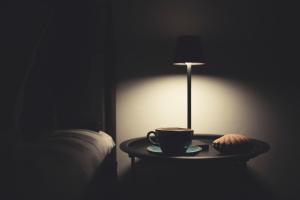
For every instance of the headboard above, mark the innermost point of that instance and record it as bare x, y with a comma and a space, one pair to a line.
69, 82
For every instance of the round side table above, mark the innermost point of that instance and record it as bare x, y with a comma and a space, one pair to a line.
137, 148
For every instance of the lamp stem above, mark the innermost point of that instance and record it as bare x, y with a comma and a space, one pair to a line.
189, 94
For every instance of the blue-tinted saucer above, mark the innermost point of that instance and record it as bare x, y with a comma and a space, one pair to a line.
190, 150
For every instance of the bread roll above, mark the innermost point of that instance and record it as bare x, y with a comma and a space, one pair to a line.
232, 143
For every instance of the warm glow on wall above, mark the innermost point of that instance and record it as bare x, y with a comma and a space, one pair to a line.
218, 106
224, 106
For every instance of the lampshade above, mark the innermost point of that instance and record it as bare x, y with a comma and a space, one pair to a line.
188, 50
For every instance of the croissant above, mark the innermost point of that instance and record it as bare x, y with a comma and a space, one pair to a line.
232, 143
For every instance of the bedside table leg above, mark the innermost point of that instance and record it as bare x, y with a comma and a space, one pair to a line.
133, 169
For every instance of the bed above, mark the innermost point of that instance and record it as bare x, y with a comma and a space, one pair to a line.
69, 164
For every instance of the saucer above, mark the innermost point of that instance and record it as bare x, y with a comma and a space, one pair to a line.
190, 150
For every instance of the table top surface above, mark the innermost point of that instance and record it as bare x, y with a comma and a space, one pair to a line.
137, 147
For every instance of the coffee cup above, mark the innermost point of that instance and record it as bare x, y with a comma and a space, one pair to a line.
171, 140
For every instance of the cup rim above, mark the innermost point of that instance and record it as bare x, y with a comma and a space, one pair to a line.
174, 129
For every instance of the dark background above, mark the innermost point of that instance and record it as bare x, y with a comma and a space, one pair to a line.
49, 50
248, 40
52, 46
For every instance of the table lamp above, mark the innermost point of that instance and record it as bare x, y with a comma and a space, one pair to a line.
188, 53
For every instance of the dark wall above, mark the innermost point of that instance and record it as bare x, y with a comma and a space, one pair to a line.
21, 25
240, 37
52, 62
55, 52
